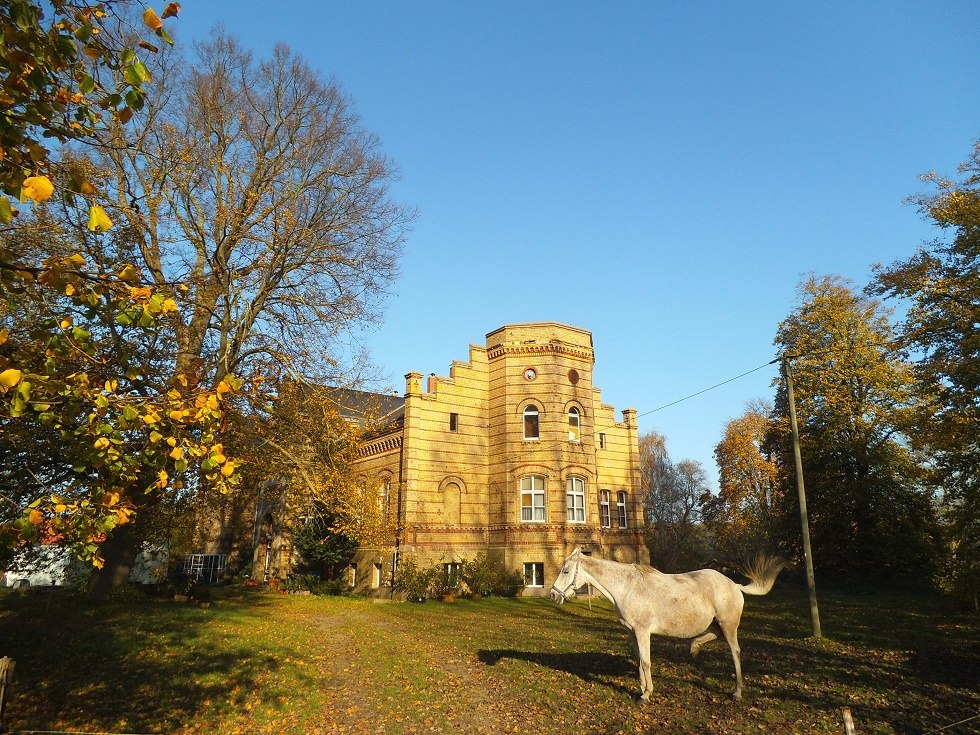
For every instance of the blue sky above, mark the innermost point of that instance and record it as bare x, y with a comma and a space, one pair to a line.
661, 174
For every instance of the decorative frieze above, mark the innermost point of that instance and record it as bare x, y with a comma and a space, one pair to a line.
380, 446
538, 349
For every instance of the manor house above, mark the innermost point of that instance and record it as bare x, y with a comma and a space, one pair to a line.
514, 454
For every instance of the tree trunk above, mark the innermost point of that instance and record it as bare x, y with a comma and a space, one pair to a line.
119, 552
120, 548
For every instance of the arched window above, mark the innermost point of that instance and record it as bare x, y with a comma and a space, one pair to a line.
575, 499
451, 503
604, 517
532, 499
384, 498
574, 425
532, 427
621, 508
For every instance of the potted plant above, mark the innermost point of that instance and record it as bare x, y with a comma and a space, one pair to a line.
447, 583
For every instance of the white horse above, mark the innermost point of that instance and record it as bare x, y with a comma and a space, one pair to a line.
700, 605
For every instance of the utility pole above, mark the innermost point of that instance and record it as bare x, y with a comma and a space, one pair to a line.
804, 519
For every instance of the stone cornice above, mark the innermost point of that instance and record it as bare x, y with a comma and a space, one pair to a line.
541, 348
379, 446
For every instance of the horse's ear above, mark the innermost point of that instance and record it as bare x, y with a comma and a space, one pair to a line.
578, 550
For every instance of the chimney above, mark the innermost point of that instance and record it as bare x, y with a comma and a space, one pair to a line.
431, 385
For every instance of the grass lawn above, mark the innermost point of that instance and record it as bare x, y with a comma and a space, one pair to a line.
257, 662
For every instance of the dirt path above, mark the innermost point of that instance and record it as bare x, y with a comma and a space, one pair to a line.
434, 690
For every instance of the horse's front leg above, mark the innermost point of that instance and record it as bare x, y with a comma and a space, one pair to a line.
642, 648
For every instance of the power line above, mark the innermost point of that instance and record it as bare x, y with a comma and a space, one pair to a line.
705, 390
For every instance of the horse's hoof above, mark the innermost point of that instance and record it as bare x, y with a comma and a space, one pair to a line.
737, 696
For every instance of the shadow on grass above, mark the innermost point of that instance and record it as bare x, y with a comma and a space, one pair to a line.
145, 666
590, 666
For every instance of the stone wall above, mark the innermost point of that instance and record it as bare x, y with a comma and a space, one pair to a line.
458, 462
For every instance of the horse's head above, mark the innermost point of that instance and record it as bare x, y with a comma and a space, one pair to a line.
565, 583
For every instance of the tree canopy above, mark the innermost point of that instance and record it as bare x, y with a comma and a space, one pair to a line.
870, 515
220, 217
940, 284
89, 431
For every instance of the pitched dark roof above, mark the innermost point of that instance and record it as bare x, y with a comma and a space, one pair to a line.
364, 407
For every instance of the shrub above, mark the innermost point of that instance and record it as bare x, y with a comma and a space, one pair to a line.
510, 584
297, 582
412, 580
332, 587
481, 575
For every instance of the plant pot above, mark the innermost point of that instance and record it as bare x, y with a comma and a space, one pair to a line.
182, 598
449, 598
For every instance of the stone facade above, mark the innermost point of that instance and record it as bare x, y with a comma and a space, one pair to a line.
514, 454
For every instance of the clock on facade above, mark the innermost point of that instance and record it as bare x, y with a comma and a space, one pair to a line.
530, 373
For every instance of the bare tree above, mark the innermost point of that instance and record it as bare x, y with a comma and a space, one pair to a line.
250, 192
674, 494
253, 186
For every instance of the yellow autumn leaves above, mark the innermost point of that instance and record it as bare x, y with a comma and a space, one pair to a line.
9, 378
40, 188
36, 188
955, 207
98, 220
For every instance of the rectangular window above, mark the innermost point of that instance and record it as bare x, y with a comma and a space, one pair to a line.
352, 576
531, 426
602, 441
454, 422
534, 574
532, 499
621, 508
604, 518
575, 499
376, 576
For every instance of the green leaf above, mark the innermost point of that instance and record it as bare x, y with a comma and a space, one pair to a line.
135, 74
135, 99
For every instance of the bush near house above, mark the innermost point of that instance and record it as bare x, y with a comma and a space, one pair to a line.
481, 576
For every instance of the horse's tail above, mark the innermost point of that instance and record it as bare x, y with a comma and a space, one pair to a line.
763, 571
